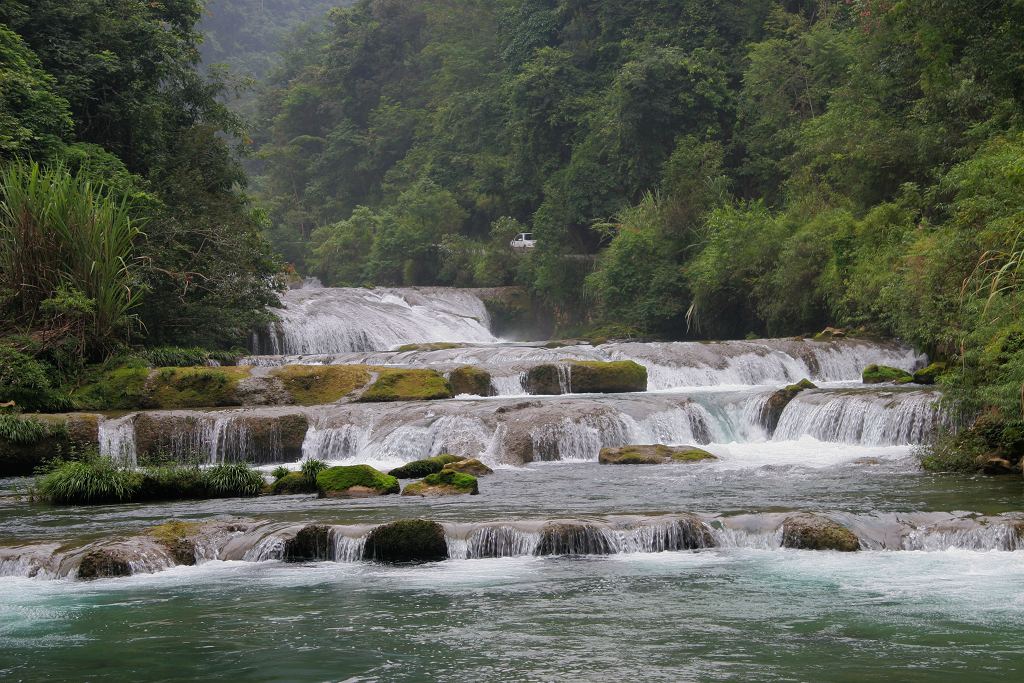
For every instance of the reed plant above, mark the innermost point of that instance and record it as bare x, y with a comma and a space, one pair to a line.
66, 257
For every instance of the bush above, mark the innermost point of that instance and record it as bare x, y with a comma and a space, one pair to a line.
26, 381
280, 473
312, 467
23, 430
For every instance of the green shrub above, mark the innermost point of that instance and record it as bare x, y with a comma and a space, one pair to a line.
26, 381
280, 472
232, 480
89, 483
173, 482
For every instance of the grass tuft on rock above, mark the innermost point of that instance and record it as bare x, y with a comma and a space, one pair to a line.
202, 387
879, 374
445, 482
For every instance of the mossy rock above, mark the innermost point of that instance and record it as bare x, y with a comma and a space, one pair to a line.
772, 410
179, 539
830, 333
470, 466
471, 380
407, 385
103, 563
653, 455
444, 483
543, 380
200, 387
434, 346
597, 377
878, 374
355, 481
311, 544
410, 540
814, 532
421, 468
313, 385
929, 374
293, 483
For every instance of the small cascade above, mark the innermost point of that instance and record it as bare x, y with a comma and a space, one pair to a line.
1005, 536
509, 385
870, 418
117, 440
318, 320
743, 538
347, 548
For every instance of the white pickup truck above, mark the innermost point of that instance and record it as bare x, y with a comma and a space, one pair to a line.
524, 240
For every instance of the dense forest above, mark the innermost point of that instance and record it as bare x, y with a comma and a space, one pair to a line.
690, 169
124, 219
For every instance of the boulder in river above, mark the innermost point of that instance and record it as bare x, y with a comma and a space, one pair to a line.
408, 540
879, 374
652, 455
421, 468
807, 531
587, 377
102, 563
355, 481
771, 412
471, 466
575, 538
311, 544
179, 538
471, 380
444, 483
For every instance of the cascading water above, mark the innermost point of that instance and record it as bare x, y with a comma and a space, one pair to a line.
318, 320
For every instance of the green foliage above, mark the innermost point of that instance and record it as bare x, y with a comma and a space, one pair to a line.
33, 117
877, 374
27, 382
280, 472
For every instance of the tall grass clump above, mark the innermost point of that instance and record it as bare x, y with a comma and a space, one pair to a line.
232, 480
23, 430
93, 482
66, 258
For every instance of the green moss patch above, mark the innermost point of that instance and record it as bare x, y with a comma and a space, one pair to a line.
878, 374
435, 346
203, 387
422, 468
355, 481
407, 385
658, 454
311, 385
120, 389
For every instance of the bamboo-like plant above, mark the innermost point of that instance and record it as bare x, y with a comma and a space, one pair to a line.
66, 255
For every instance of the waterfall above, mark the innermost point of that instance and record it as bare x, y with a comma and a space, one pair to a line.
117, 440
870, 418
337, 320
